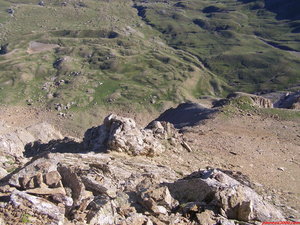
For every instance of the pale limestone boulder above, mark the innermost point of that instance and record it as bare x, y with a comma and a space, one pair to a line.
37, 204
234, 199
13, 143
14, 139
122, 135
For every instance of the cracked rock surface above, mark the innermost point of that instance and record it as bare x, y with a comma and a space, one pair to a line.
94, 186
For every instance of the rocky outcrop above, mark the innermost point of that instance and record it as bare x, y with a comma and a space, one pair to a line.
83, 186
216, 189
122, 135
94, 188
256, 100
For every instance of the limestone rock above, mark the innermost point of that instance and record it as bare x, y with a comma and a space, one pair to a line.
52, 179
103, 186
44, 132
73, 182
30, 176
47, 191
205, 218
156, 199
103, 212
39, 205
122, 135
115, 188
257, 100
236, 200
3, 172
136, 219
163, 129
13, 141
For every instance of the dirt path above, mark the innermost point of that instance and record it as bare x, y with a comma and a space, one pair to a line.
36, 47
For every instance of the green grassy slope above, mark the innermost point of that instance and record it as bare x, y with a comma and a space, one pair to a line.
143, 52
248, 43
105, 54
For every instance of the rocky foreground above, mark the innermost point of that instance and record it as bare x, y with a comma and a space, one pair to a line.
110, 178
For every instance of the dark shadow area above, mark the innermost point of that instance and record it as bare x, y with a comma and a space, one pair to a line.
65, 145
284, 9
86, 34
180, 5
4, 49
287, 100
5, 198
141, 11
279, 46
212, 9
186, 114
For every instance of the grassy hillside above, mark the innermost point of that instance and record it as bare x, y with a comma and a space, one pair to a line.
89, 53
77, 54
252, 44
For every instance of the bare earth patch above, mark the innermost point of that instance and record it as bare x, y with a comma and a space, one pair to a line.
36, 47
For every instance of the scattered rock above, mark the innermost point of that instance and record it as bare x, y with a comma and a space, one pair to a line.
205, 218
10, 11
72, 181
119, 191
52, 179
41, 3
186, 146
102, 186
156, 199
